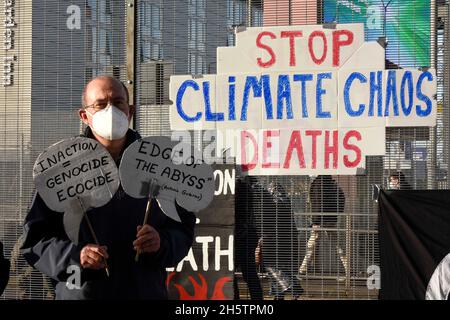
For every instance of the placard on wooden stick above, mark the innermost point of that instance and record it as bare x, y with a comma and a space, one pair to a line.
74, 175
182, 176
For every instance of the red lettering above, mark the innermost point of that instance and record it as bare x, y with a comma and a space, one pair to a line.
291, 35
267, 144
320, 34
314, 134
265, 47
338, 43
246, 166
333, 149
295, 143
352, 147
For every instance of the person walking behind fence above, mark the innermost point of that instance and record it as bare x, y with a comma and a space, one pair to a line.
279, 242
327, 201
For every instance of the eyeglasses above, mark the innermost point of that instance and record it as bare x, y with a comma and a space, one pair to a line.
119, 103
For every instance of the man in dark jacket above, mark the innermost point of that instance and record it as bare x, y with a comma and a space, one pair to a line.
161, 243
4, 270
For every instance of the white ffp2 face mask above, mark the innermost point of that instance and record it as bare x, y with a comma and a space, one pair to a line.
110, 123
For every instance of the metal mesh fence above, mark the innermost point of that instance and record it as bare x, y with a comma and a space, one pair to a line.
55, 57
57, 47
337, 259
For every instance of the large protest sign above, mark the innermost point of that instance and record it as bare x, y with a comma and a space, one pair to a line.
176, 167
73, 176
306, 91
206, 273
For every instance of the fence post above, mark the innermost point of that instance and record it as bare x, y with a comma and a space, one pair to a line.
131, 50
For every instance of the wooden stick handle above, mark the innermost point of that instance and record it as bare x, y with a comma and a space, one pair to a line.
93, 233
147, 212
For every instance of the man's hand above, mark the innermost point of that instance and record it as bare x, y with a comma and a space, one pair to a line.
147, 239
93, 256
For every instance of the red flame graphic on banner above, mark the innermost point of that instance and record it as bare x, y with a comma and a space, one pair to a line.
200, 289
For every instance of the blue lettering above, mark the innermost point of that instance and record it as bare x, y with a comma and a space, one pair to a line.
303, 78
376, 87
232, 99
284, 94
347, 86
209, 115
319, 93
250, 83
180, 94
422, 97
267, 96
391, 91
407, 80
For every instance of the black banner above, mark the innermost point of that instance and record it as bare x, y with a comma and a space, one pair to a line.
4, 270
414, 236
207, 272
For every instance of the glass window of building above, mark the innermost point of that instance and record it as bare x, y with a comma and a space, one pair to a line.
150, 25
197, 36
